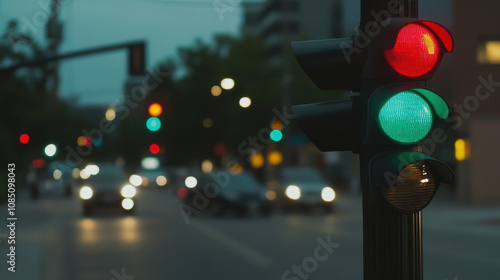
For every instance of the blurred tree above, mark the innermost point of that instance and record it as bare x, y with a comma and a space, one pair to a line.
27, 106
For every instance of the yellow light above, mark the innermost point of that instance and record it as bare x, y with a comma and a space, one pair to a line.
462, 149
216, 90
110, 114
236, 168
429, 43
245, 102
257, 160
275, 158
207, 166
57, 174
155, 109
227, 83
493, 51
161, 180
277, 125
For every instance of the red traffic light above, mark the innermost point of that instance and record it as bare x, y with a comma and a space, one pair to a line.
24, 138
415, 52
154, 149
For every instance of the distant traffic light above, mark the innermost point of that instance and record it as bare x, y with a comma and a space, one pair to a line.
24, 138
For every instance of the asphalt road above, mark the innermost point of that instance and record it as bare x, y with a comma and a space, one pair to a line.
54, 242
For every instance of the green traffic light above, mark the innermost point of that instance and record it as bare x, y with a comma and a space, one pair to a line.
153, 124
276, 135
406, 117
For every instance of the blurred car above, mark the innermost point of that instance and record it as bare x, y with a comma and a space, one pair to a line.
156, 178
304, 188
241, 195
108, 188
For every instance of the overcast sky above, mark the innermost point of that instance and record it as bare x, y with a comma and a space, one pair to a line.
164, 24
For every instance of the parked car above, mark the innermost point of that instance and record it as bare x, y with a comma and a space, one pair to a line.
303, 188
108, 188
241, 195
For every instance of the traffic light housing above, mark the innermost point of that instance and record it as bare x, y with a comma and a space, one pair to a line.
137, 59
385, 124
394, 111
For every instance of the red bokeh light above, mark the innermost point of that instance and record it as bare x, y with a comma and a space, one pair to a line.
181, 192
154, 149
25, 138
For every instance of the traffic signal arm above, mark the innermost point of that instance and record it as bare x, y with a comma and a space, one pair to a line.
330, 126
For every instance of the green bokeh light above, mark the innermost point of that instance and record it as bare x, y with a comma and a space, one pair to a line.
406, 117
153, 124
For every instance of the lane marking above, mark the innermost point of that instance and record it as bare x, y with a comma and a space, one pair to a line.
250, 254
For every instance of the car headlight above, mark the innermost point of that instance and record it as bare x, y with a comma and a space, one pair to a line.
128, 191
293, 192
127, 203
327, 194
135, 180
86, 192
191, 182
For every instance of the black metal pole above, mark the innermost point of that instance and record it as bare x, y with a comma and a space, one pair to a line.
392, 242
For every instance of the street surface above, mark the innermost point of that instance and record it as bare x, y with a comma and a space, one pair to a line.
54, 242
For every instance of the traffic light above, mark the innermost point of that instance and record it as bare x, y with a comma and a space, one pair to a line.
385, 123
136, 59
154, 110
154, 149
